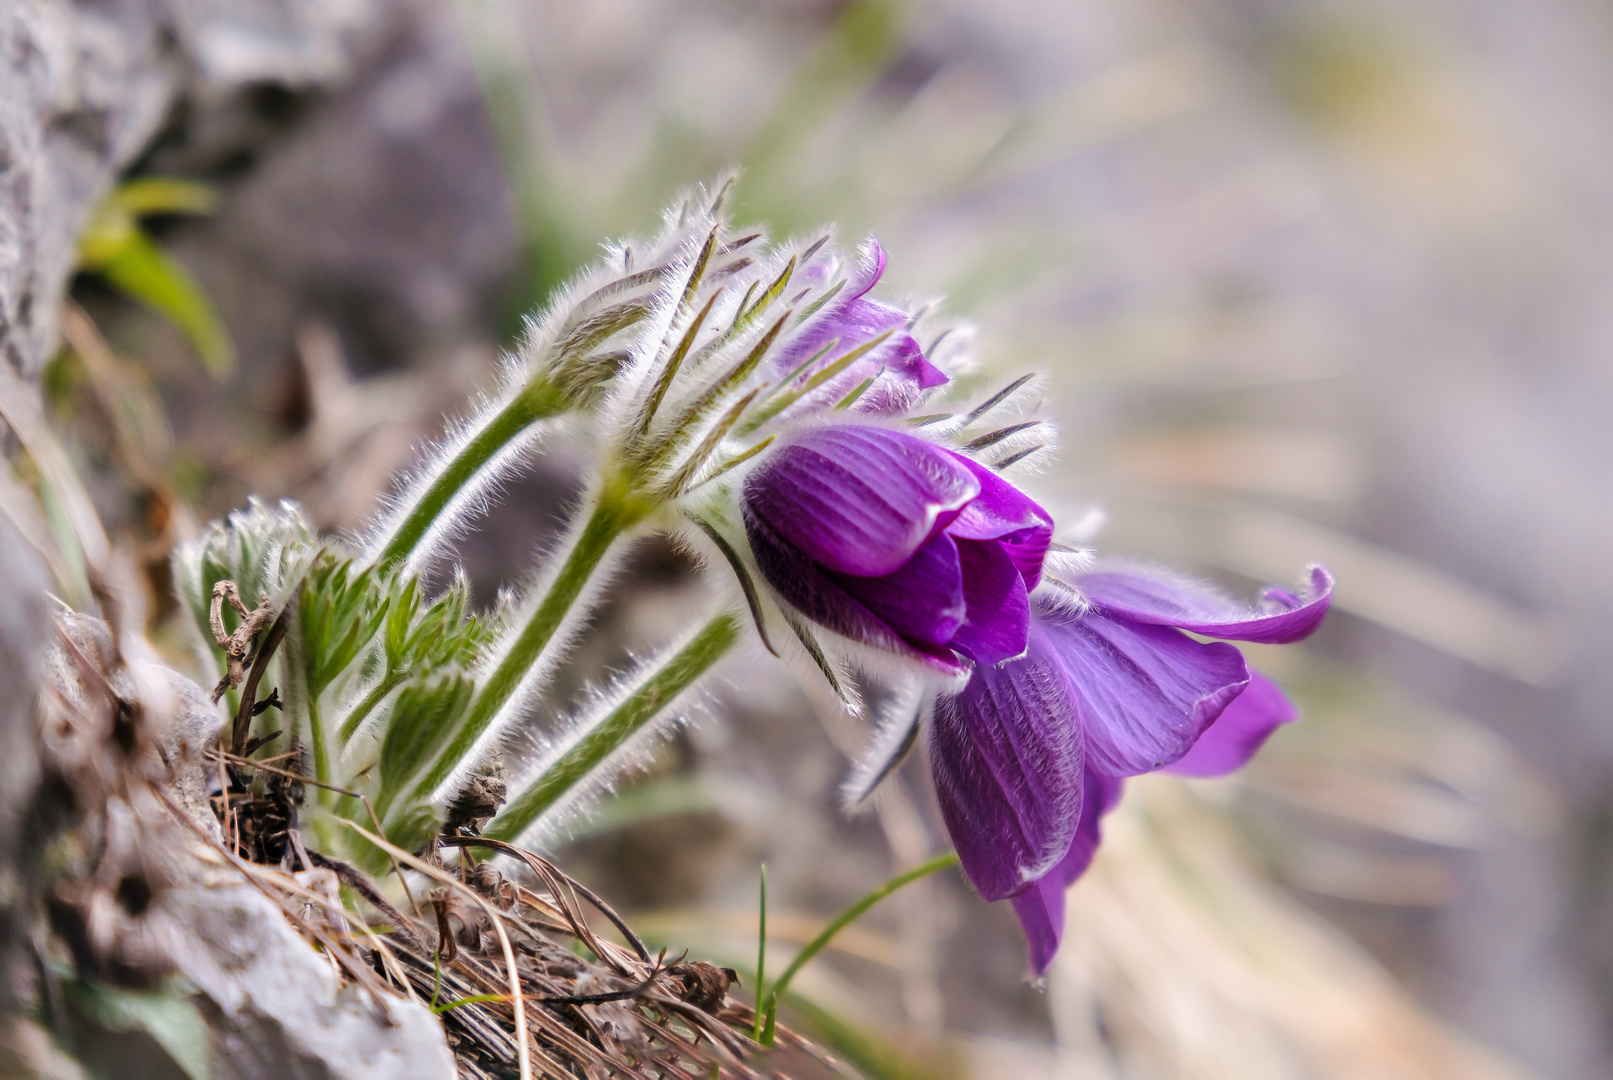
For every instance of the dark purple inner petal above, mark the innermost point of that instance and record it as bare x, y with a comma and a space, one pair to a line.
813, 592
923, 600
1006, 756
1146, 595
998, 624
1144, 693
1041, 907
1242, 729
859, 500
1002, 512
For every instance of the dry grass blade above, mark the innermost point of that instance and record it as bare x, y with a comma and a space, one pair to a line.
518, 1001
559, 884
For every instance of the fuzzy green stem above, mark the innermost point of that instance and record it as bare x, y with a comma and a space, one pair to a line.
708, 646
615, 512
316, 736
389, 682
538, 400
841, 921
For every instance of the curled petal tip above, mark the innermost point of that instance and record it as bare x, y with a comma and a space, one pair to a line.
1146, 595
870, 268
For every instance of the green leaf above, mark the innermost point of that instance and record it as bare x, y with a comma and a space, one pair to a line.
135, 265
240, 548
425, 712
761, 956
163, 195
341, 613
173, 1022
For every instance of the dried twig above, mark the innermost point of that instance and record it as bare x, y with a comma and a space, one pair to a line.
239, 646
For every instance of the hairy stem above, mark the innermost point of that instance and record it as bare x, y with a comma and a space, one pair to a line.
538, 400
389, 682
614, 513
708, 646
316, 736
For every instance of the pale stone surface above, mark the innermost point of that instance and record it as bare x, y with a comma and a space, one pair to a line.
83, 89
22, 634
274, 1004
184, 722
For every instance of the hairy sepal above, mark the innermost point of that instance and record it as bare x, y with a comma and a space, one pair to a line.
896, 731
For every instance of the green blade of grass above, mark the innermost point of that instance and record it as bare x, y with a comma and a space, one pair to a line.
761, 958
839, 923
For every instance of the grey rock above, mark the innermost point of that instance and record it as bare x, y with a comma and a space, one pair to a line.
22, 636
274, 1003
85, 87
183, 722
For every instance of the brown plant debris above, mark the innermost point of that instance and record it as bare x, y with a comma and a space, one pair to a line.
508, 960
241, 646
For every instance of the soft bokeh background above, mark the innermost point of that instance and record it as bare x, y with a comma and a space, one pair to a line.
1309, 281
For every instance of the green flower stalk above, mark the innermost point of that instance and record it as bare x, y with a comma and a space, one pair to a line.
681, 362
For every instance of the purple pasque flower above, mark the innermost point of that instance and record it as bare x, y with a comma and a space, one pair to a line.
897, 543
1029, 754
899, 368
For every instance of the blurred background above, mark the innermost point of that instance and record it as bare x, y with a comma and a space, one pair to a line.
1308, 280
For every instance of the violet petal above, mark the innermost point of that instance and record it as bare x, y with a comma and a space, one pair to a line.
900, 370
1041, 907
899, 366
870, 268
1242, 729
1146, 595
1144, 693
1006, 756
860, 500
998, 623
1003, 512
811, 590
923, 600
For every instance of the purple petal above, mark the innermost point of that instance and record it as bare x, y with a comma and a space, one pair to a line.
1242, 728
860, 500
923, 600
818, 595
1006, 756
900, 370
1041, 907
999, 610
870, 268
1003, 512
1155, 596
1144, 693
899, 367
